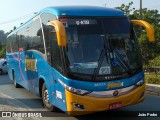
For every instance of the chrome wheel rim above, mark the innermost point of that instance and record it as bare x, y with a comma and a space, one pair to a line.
46, 98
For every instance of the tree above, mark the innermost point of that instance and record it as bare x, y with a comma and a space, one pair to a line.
2, 51
2, 44
2, 36
126, 8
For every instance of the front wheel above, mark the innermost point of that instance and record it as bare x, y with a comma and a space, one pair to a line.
45, 99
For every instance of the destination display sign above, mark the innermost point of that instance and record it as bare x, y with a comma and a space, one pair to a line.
68, 22
82, 22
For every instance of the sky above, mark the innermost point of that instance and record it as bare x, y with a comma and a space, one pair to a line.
14, 12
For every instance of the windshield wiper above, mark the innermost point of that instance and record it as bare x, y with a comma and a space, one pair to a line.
108, 49
100, 61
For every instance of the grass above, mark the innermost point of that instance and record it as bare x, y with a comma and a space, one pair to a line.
152, 78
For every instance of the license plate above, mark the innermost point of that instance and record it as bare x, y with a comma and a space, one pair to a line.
115, 105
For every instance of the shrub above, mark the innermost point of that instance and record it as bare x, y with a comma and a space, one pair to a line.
152, 79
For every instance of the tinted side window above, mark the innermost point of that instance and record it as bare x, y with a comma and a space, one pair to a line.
56, 58
34, 38
52, 48
30, 38
45, 18
21, 38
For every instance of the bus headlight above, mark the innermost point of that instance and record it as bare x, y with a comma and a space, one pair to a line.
139, 83
74, 90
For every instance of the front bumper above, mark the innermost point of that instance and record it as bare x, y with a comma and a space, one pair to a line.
93, 104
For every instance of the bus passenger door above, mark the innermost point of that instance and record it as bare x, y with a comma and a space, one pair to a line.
55, 58
51, 83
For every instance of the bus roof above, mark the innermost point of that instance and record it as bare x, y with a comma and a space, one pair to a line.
83, 11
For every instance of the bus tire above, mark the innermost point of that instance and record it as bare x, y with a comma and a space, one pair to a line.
14, 81
45, 99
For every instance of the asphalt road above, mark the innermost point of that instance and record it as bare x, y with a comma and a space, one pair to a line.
32, 102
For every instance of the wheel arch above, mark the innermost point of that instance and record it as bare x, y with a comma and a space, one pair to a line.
12, 75
41, 82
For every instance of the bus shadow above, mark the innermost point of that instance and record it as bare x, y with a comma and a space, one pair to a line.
34, 104
21, 103
110, 114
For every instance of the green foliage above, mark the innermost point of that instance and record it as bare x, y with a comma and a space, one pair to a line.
126, 8
2, 44
154, 62
2, 36
2, 51
152, 79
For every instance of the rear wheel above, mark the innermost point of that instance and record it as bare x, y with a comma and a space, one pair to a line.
45, 99
14, 81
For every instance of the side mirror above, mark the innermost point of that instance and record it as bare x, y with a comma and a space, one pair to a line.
149, 28
60, 32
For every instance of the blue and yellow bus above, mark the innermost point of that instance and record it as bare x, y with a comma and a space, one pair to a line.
79, 59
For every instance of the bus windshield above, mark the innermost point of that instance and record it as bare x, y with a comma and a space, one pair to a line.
101, 47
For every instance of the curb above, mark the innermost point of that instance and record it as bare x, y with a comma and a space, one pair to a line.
153, 89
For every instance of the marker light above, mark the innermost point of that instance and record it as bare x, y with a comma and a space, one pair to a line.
140, 83
74, 90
